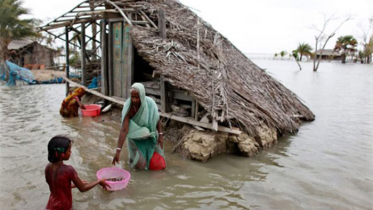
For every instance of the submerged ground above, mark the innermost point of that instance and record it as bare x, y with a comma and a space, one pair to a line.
327, 165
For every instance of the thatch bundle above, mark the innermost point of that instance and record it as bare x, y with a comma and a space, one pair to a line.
223, 80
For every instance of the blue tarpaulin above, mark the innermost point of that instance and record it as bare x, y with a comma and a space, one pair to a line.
11, 73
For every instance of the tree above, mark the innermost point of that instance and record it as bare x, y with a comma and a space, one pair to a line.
368, 50
11, 26
283, 53
322, 39
275, 56
304, 49
346, 45
295, 55
367, 43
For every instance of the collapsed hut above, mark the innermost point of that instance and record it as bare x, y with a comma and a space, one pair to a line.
193, 72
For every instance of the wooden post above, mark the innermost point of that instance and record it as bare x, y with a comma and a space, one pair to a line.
83, 54
162, 23
165, 107
162, 33
128, 58
104, 75
110, 61
193, 108
67, 58
196, 111
198, 56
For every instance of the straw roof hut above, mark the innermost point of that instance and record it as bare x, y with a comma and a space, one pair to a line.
192, 56
223, 80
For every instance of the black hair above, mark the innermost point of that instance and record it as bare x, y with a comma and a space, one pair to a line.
56, 146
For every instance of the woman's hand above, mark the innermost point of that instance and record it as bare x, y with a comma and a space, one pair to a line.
104, 184
116, 157
160, 140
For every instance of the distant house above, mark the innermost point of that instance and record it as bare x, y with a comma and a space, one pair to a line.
328, 54
31, 54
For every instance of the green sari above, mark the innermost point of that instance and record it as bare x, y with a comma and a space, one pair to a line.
142, 133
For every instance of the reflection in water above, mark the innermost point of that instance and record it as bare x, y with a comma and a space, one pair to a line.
328, 164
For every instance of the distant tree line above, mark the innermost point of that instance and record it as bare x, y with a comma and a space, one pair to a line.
345, 46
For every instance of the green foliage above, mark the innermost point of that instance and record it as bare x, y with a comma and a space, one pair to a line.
304, 49
74, 58
283, 53
295, 54
345, 44
11, 26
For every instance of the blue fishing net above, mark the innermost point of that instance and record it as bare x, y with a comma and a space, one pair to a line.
11, 73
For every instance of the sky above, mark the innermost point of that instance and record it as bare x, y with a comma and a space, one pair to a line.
265, 26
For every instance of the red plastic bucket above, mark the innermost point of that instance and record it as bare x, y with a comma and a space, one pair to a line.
91, 110
157, 162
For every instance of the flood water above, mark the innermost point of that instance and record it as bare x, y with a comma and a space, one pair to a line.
327, 165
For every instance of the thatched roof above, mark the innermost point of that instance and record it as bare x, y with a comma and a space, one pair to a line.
223, 79
227, 81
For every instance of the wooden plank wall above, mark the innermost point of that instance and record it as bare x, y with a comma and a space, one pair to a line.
104, 59
117, 59
127, 64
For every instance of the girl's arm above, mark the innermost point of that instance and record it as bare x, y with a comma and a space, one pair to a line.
121, 139
73, 185
83, 187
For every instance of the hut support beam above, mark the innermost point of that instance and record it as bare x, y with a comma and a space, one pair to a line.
104, 70
83, 53
177, 118
110, 61
67, 59
148, 19
120, 11
162, 33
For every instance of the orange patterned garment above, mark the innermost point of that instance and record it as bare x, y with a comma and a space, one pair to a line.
69, 106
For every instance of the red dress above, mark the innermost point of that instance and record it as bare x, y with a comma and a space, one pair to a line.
59, 182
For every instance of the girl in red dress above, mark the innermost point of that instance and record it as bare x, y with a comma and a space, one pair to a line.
61, 178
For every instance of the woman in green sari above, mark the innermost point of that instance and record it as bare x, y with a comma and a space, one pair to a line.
142, 129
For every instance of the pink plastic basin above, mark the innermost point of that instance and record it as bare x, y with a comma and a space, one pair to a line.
91, 110
117, 173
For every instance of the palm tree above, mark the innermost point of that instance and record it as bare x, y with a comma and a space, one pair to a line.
345, 44
11, 26
304, 49
296, 56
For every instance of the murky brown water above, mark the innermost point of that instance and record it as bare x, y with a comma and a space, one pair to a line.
327, 165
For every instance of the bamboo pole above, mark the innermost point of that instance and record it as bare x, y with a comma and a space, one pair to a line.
120, 11
148, 19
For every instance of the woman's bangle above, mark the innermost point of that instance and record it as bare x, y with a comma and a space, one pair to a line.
161, 133
118, 149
